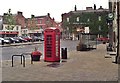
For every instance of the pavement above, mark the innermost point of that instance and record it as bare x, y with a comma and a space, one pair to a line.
80, 66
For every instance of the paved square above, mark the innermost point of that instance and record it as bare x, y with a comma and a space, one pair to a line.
80, 66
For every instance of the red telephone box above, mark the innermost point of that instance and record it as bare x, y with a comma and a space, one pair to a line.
52, 44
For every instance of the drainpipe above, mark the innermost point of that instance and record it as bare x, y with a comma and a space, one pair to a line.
118, 33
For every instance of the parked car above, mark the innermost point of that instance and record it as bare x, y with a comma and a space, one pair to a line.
28, 38
12, 40
41, 38
20, 39
35, 38
0, 41
38, 38
4, 41
104, 39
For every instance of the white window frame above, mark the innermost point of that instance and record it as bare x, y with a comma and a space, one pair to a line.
99, 18
77, 19
68, 19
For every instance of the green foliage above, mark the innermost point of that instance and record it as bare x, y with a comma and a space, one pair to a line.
90, 19
10, 20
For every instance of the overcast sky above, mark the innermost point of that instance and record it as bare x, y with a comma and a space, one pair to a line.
42, 7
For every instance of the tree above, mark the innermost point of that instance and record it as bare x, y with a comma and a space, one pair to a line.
9, 20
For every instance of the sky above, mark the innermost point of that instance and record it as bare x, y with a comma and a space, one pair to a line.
42, 7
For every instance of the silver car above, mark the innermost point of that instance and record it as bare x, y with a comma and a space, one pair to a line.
4, 40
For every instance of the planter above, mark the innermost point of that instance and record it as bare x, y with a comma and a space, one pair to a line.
81, 47
35, 58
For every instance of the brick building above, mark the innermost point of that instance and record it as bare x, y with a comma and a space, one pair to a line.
21, 20
37, 24
9, 27
25, 26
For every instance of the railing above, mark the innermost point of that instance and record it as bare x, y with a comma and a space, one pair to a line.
22, 58
30, 55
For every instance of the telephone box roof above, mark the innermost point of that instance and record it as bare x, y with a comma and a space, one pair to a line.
52, 28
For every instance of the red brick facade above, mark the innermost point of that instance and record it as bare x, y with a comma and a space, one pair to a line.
41, 22
35, 24
20, 19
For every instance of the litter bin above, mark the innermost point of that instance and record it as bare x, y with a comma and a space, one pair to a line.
64, 53
109, 47
2, 42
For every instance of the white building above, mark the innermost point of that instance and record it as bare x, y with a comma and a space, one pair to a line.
10, 30
1, 22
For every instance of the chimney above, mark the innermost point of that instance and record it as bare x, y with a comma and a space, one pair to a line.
89, 8
53, 19
48, 14
19, 13
5, 14
94, 6
75, 9
100, 7
32, 16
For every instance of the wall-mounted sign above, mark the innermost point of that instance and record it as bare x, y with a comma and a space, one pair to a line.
110, 16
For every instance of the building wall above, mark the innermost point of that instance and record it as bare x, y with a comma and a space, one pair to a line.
94, 19
37, 24
20, 19
1, 22
24, 32
17, 28
113, 6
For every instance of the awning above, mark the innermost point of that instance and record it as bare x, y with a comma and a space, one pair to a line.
4, 32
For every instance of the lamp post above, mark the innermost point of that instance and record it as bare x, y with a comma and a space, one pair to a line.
110, 26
